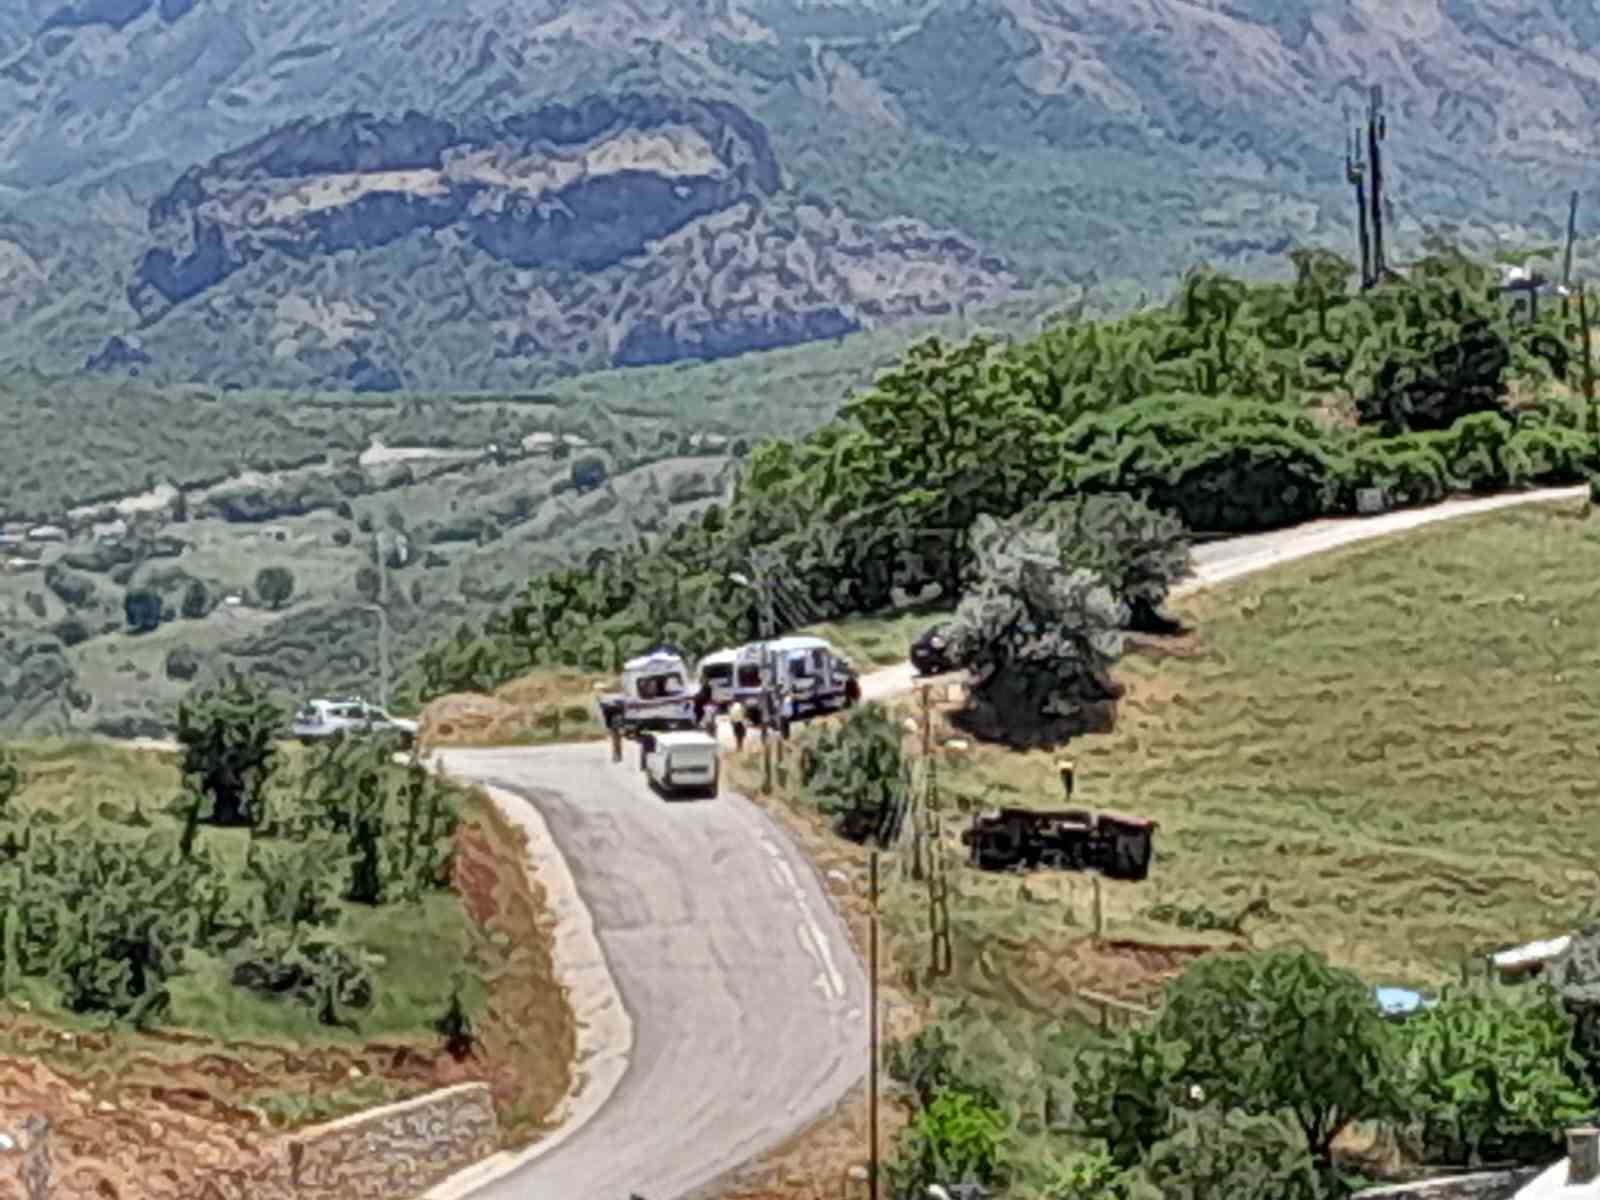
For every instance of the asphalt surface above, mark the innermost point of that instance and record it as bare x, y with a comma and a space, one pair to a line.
747, 999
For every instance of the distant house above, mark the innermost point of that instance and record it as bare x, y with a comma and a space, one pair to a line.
110, 531
47, 533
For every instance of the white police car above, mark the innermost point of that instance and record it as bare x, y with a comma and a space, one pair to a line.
319, 720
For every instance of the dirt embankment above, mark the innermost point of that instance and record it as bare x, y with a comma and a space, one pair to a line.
540, 707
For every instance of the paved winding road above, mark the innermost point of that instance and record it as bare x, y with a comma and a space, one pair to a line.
746, 998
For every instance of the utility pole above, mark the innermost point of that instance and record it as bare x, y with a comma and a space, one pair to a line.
1354, 173
872, 1037
382, 610
768, 668
1591, 418
1377, 128
1566, 258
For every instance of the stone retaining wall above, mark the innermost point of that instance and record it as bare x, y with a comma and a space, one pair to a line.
398, 1151
392, 1153
1481, 1185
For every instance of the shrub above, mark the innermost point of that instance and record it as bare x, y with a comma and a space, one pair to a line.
959, 1137
315, 971
142, 607
1548, 454
73, 590
1490, 1075
1408, 468
274, 585
72, 632
182, 663
1221, 464
196, 601
856, 773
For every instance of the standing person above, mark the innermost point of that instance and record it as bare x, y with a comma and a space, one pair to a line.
738, 716
647, 743
616, 739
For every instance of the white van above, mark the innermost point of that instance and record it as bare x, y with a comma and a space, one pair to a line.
732, 675
682, 762
655, 694
811, 675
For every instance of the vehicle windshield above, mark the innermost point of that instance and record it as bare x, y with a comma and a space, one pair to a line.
717, 673
750, 676
653, 687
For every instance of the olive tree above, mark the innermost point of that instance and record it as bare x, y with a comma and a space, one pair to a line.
1039, 641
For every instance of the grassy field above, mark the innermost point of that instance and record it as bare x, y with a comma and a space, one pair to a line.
1385, 743
242, 1051
1379, 752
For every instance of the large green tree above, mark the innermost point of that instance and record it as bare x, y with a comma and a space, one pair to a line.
1273, 1034
1039, 642
227, 734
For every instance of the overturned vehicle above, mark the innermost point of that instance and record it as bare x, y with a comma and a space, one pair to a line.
1118, 845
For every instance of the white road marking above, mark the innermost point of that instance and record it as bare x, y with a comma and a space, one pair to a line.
810, 934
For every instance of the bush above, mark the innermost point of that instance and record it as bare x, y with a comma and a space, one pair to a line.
856, 773
1220, 464
196, 601
142, 607
1409, 469
1233, 1155
73, 590
227, 733
72, 632
1548, 454
959, 1137
182, 663
315, 971
1490, 1076
274, 586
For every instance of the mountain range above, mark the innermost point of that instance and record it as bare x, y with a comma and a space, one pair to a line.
409, 195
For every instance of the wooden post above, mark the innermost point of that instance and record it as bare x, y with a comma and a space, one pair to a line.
1588, 357
872, 1037
1566, 259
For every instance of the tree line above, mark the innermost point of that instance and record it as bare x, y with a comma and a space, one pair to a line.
1236, 407
1244, 1081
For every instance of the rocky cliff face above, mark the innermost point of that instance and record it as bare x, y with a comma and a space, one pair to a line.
580, 187
416, 252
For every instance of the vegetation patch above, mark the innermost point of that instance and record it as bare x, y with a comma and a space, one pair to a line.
306, 970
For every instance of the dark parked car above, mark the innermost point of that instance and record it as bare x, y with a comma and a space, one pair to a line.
930, 653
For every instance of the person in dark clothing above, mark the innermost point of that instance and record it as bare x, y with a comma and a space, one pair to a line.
647, 743
738, 717
616, 741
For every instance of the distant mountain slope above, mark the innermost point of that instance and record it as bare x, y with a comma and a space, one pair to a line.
419, 253
1075, 139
